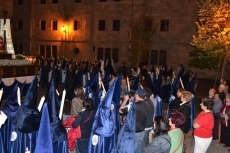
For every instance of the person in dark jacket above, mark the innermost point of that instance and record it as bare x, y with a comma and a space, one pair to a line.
85, 120
185, 109
175, 104
149, 120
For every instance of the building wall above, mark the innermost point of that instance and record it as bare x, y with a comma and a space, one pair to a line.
8, 6
181, 16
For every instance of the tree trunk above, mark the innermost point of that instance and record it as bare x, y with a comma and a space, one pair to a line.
217, 72
224, 66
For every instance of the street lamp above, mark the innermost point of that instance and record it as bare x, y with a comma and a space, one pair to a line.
63, 29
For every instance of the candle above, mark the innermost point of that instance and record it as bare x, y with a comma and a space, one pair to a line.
18, 94
128, 84
41, 103
57, 92
1, 92
62, 103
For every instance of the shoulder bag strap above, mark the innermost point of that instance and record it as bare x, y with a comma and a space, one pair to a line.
178, 146
88, 117
183, 106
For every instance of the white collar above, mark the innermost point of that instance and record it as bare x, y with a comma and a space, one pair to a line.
83, 109
183, 103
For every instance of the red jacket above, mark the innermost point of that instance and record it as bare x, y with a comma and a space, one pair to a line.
73, 133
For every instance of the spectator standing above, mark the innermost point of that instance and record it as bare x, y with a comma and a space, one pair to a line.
85, 120
216, 114
224, 138
203, 126
149, 121
185, 109
175, 104
77, 101
211, 93
141, 118
221, 90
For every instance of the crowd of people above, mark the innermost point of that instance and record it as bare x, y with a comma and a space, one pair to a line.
169, 133
221, 113
165, 131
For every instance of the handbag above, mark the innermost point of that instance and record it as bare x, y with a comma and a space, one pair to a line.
216, 115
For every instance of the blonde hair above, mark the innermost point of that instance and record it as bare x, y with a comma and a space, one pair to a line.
187, 95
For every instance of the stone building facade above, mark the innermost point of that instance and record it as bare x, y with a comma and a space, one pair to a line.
8, 6
99, 29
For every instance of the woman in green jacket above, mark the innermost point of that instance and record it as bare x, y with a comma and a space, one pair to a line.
176, 120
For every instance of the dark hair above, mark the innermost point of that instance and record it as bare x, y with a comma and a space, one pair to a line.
114, 74
162, 126
148, 92
80, 92
208, 103
218, 93
177, 118
88, 104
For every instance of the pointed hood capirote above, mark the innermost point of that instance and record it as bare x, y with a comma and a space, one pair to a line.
28, 117
57, 129
44, 138
11, 106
